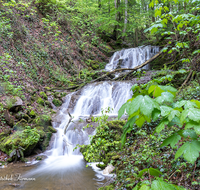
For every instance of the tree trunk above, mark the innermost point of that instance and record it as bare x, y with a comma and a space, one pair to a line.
125, 17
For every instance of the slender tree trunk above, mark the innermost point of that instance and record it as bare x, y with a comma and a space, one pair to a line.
125, 17
118, 18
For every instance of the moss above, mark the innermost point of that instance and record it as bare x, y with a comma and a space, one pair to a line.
109, 187
102, 166
32, 114
21, 115
21, 124
40, 101
51, 129
27, 139
57, 102
43, 95
45, 142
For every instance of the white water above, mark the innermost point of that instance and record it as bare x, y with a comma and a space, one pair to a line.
62, 160
132, 57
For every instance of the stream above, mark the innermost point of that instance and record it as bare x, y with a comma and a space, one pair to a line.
64, 168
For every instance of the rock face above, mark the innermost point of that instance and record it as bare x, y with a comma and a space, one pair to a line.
108, 169
17, 105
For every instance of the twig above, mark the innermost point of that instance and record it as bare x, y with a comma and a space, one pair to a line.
68, 122
194, 170
186, 80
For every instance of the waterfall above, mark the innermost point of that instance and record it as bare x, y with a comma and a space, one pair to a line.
130, 58
62, 159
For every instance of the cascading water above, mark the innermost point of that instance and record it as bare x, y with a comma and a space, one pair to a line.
130, 58
63, 162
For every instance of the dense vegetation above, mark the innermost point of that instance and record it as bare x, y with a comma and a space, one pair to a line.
47, 45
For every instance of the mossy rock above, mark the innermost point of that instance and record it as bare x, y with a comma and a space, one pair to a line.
21, 124
57, 102
51, 129
45, 143
43, 95
4, 134
27, 139
32, 114
40, 101
102, 166
48, 104
21, 115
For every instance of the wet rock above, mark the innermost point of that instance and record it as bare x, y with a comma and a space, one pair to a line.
108, 169
21, 115
17, 106
9, 119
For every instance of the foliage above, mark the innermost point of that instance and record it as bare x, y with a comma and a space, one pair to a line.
179, 23
184, 114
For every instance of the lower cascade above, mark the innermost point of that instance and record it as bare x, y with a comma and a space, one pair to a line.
64, 167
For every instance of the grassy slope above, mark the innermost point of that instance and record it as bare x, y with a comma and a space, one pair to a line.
41, 47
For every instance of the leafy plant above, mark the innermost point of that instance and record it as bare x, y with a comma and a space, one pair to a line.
184, 115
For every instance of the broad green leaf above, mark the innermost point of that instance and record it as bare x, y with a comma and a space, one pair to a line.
122, 109
147, 105
174, 113
175, 121
190, 151
155, 90
135, 104
165, 110
161, 126
191, 113
145, 187
186, 103
161, 185
189, 132
196, 126
155, 114
170, 89
172, 140
140, 121
165, 97
152, 171
197, 103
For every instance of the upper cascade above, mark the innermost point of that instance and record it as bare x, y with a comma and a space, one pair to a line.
130, 58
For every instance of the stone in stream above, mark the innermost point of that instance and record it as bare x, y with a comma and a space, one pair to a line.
108, 169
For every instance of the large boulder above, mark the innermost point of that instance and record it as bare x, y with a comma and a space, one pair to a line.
16, 105
26, 140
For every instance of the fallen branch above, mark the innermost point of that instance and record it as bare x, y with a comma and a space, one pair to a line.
186, 80
68, 122
133, 69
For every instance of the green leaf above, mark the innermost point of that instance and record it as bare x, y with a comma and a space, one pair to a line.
195, 125
165, 97
189, 132
140, 121
122, 109
172, 140
152, 171
190, 151
174, 113
147, 105
165, 110
191, 113
135, 104
161, 185
145, 187
127, 128
161, 125
155, 114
